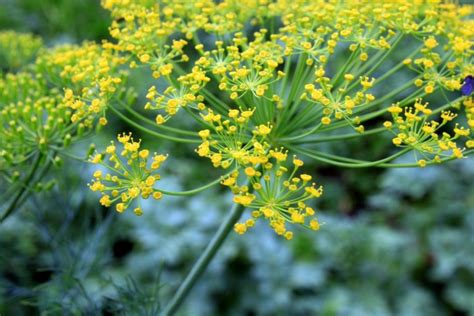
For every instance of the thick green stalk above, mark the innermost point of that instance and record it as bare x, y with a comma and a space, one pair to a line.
204, 260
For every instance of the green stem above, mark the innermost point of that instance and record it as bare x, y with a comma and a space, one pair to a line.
151, 122
304, 134
197, 190
379, 61
204, 260
146, 130
20, 193
383, 163
335, 80
336, 137
362, 164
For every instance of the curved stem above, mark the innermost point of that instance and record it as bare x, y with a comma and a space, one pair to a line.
61, 151
382, 163
353, 164
197, 190
304, 134
338, 137
151, 122
146, 130
204, 260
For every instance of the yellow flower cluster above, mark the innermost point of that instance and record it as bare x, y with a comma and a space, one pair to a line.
242, 67
128, 173
304, 66
413, 129
17, 49
434, 72
232, 142
90, 75
338, 105
257, 69
187, 16
174, 98
276, 194
148, 44
256, 74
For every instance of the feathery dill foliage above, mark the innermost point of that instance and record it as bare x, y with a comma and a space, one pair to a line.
263, 80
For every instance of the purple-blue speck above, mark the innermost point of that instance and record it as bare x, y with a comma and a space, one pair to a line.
468, 86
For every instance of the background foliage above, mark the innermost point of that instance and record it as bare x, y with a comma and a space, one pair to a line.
396, 242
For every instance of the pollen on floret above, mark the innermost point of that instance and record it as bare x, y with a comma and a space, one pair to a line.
97, 158
326, 120
138, 211
429, 89
97, 174
105, 201
297, 162
349, 77
159, 119
457, 153
422, 163
314, 224
249, 171
120, 207
431, 43
240, 228
397, 141
144, 153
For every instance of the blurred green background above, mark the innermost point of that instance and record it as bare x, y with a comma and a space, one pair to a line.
394, 242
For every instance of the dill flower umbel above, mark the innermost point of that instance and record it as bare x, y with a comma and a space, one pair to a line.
128, 174
276, 194
232, 142
34, 121
90, 76
256, 75
412, 128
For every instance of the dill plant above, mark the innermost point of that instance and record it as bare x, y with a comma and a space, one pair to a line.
264, 82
